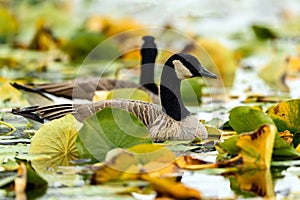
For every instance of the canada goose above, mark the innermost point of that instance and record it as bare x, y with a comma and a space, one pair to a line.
170, 121
84, 89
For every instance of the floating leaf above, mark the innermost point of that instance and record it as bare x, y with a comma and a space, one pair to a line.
282, 150
257, 147
56, 139
229, 145
115, 167
188, 162
152, 152
107, 129
129, 93
245, 119
124, 164
286, 115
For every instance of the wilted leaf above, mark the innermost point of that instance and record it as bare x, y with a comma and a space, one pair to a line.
115, 166
286, 115
107, 129
57, 139
188, 162
246, 119
257, 147
128, 164
129, 93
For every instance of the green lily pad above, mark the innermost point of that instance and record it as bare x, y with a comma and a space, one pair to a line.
107, 129
246, 119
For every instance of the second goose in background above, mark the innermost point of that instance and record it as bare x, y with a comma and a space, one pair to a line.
84, 89
170, 121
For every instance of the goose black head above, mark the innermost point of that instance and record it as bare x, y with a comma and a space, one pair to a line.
188, 66
149, 48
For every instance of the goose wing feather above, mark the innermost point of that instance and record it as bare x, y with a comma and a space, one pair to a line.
145, 111
83, 88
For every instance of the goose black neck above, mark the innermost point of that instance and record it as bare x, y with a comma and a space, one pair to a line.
170, 93
147, 74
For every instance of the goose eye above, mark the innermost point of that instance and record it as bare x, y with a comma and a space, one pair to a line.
182, 72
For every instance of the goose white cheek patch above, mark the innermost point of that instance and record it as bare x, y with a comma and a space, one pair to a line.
181, 71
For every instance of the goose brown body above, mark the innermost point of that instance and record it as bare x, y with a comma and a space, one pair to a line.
161, 127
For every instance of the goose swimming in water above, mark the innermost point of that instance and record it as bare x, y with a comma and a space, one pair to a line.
84, 89
170, 121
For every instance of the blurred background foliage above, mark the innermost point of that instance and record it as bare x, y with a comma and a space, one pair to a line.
44, 41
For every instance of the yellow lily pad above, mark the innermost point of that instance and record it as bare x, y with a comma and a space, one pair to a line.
257, 146
286, 115
57, 140
153, 152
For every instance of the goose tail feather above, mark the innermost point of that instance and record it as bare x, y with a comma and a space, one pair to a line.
43, 113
